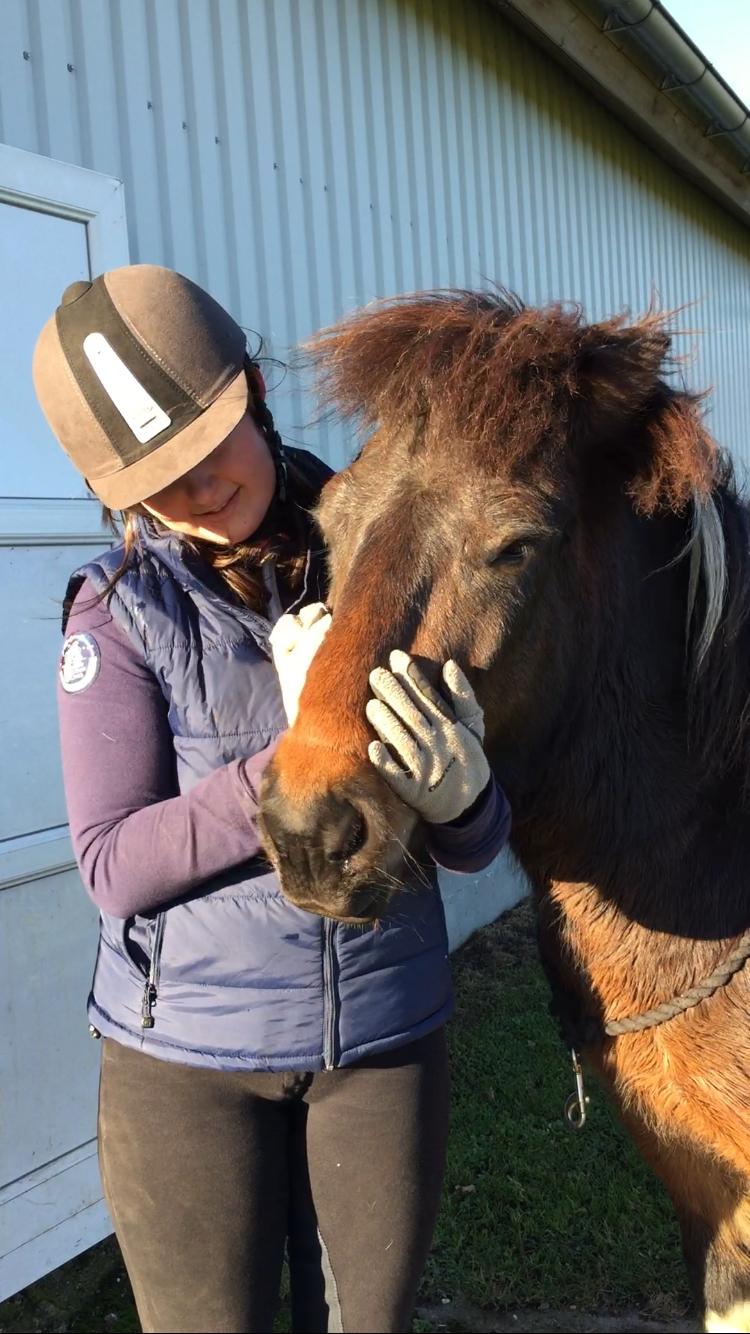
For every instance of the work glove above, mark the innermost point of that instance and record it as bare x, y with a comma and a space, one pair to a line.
441, 768
294, 641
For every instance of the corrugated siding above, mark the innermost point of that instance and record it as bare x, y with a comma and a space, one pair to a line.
299, 157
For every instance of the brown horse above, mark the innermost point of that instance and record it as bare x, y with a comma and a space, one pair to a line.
538, 502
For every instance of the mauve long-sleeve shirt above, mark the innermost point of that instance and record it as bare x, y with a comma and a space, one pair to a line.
140, 843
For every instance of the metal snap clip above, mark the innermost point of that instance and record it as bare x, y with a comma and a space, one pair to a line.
576, 1103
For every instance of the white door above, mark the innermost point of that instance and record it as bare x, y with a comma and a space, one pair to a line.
58, 223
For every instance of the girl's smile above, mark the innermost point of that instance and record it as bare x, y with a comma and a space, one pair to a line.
222, 509
226, 496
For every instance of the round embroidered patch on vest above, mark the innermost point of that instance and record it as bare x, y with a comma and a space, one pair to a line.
79, 663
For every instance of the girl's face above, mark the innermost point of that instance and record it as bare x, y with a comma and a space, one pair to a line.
223, 499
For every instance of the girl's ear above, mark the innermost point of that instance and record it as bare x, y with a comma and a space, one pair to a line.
630, 422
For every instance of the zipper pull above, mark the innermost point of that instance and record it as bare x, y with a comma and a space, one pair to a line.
149, 991
149, 999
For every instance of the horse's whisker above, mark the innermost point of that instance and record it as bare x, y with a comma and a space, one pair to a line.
410, 858
394, 880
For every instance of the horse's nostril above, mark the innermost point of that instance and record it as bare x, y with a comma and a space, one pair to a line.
347, 837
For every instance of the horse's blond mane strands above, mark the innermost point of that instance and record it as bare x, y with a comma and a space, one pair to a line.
708, 561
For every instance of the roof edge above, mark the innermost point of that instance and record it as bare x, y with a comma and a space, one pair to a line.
640, 64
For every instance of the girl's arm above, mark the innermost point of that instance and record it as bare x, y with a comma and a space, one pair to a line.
139, 844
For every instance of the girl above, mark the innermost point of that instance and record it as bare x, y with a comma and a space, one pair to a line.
245, 1107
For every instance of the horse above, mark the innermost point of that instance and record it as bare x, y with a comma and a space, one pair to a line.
538, 498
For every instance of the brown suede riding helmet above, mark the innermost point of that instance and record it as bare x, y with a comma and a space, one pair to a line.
140, 374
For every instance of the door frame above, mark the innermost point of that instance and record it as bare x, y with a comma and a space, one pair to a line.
30, 180
55, 1211
43, 184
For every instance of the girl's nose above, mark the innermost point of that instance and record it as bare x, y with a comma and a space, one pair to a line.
200, 481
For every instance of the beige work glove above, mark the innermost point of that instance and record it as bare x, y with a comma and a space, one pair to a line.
443, 768
294, 641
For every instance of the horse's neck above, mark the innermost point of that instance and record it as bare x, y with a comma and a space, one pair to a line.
616, 734
619, 808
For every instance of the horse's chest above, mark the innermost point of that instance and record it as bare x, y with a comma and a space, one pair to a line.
607, 958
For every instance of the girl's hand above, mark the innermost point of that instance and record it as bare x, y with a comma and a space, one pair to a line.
442, 767
294, 641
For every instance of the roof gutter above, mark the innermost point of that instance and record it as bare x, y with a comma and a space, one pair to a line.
637, 60
681, 69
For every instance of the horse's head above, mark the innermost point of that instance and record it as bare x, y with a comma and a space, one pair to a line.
502, 439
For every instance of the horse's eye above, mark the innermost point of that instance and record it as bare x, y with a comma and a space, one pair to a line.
511, 553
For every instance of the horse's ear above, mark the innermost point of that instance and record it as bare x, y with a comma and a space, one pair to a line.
617, 368
630, 421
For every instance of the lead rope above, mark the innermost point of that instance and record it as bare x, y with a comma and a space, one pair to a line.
614, 1028
577, 1102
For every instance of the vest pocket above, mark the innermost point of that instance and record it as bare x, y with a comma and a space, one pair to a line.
139, 940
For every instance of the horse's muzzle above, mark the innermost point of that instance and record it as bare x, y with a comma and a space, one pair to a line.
334, 851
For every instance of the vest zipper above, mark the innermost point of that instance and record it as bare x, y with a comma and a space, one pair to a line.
329, 993
150, 991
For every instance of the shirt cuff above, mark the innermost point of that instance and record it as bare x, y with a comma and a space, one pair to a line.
469, 844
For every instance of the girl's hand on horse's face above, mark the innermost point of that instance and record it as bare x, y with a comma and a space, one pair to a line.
441, 768
294, 642
225, 497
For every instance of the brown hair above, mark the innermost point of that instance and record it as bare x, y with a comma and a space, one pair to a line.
281, 540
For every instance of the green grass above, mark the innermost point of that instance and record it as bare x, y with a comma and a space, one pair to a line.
551, 1216
533, 1215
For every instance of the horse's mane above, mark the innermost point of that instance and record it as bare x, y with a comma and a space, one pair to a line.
483, 367
718, 631
380, 363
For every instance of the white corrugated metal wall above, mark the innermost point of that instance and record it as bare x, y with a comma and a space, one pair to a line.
299, 157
